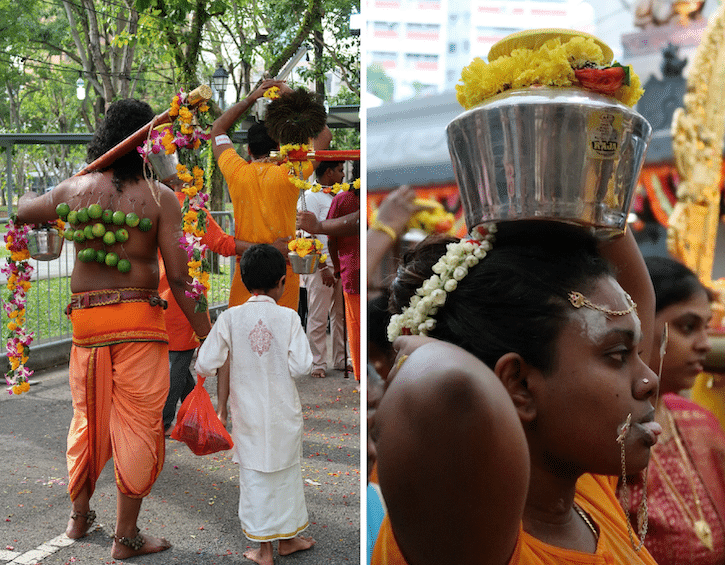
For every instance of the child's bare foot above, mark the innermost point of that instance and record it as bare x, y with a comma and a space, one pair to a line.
222, 415
79, 524
262, 555
297, 543
124, 548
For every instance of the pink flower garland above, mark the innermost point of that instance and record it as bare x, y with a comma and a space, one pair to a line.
18, 271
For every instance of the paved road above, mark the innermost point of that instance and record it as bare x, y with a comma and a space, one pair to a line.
194, 502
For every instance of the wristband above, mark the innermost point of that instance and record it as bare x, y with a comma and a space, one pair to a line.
386, 229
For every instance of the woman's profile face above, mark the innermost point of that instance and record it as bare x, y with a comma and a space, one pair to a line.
687, 343
598, 379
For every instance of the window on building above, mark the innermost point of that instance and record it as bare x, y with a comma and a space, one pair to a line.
421, 61
451, 47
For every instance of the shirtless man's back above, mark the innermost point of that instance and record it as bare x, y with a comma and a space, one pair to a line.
119, 372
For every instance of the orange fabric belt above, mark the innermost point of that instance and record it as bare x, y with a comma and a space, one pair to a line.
121, 322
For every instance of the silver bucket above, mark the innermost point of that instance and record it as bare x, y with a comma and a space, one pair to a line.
563, 154
164, 165
44, 244
304, 265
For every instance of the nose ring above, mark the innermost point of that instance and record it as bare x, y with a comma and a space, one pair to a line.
645, 381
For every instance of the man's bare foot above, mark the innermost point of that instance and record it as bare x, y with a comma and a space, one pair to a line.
123, 548
79, 524
297, 543
262, 555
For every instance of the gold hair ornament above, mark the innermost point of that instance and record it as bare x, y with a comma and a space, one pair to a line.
578, 300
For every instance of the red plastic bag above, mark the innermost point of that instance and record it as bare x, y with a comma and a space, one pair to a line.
197, 424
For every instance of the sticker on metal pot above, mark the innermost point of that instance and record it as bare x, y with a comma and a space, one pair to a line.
604, 134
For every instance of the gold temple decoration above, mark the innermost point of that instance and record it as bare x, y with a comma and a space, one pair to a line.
697, 139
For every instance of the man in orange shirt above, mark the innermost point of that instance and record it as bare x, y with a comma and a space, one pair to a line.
265, 202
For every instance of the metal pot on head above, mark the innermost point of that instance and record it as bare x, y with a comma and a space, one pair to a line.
549, 153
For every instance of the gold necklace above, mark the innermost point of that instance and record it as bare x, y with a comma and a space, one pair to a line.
699, 525
587, 521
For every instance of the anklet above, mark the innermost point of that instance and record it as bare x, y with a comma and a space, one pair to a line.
134, 543
89, 516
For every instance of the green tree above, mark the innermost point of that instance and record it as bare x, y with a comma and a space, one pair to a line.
379, 83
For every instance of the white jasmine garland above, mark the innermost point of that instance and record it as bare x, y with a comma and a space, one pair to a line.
449, 270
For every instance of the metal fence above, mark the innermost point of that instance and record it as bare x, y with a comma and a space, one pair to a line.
50, 291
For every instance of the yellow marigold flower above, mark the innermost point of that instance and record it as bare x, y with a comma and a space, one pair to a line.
14, 363
204, 278
181, 168
292, 245
191, 216
203, 107
185, 177
13, 314
20, 348
198, 172
323, 257
24, 386
190, 190
316, 188
356, 184
24, 359
185, 115
551, 64
12, 326
186, 129
318, 244
17, 389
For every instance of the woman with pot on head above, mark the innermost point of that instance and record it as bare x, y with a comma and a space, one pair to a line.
518, 422
686, 475
524, 389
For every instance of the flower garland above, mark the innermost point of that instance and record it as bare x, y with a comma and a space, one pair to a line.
296, 156
185, 135
451, 268
194, 218
553, 64
18, 271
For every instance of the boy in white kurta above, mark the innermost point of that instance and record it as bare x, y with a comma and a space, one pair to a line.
267, 349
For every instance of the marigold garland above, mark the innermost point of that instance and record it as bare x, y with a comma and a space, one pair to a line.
190, 129
18, 271
552, 64
296, 156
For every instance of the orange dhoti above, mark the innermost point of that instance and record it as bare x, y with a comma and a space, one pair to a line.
119, 380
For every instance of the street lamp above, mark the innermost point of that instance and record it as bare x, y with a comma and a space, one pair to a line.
80, 89
219, 82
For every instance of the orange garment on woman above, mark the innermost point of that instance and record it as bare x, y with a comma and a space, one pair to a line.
181, 334
595, 495
119, 380
265, 209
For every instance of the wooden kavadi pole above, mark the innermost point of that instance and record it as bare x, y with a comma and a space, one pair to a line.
197, 96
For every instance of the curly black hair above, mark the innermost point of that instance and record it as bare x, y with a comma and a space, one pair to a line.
295, 117
122, 119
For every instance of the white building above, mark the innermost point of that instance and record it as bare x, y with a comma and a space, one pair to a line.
424, 44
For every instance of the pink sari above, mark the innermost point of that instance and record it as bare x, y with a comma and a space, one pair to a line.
671, 537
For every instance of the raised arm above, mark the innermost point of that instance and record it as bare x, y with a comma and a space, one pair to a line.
220, 141
631, 272
453, 461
